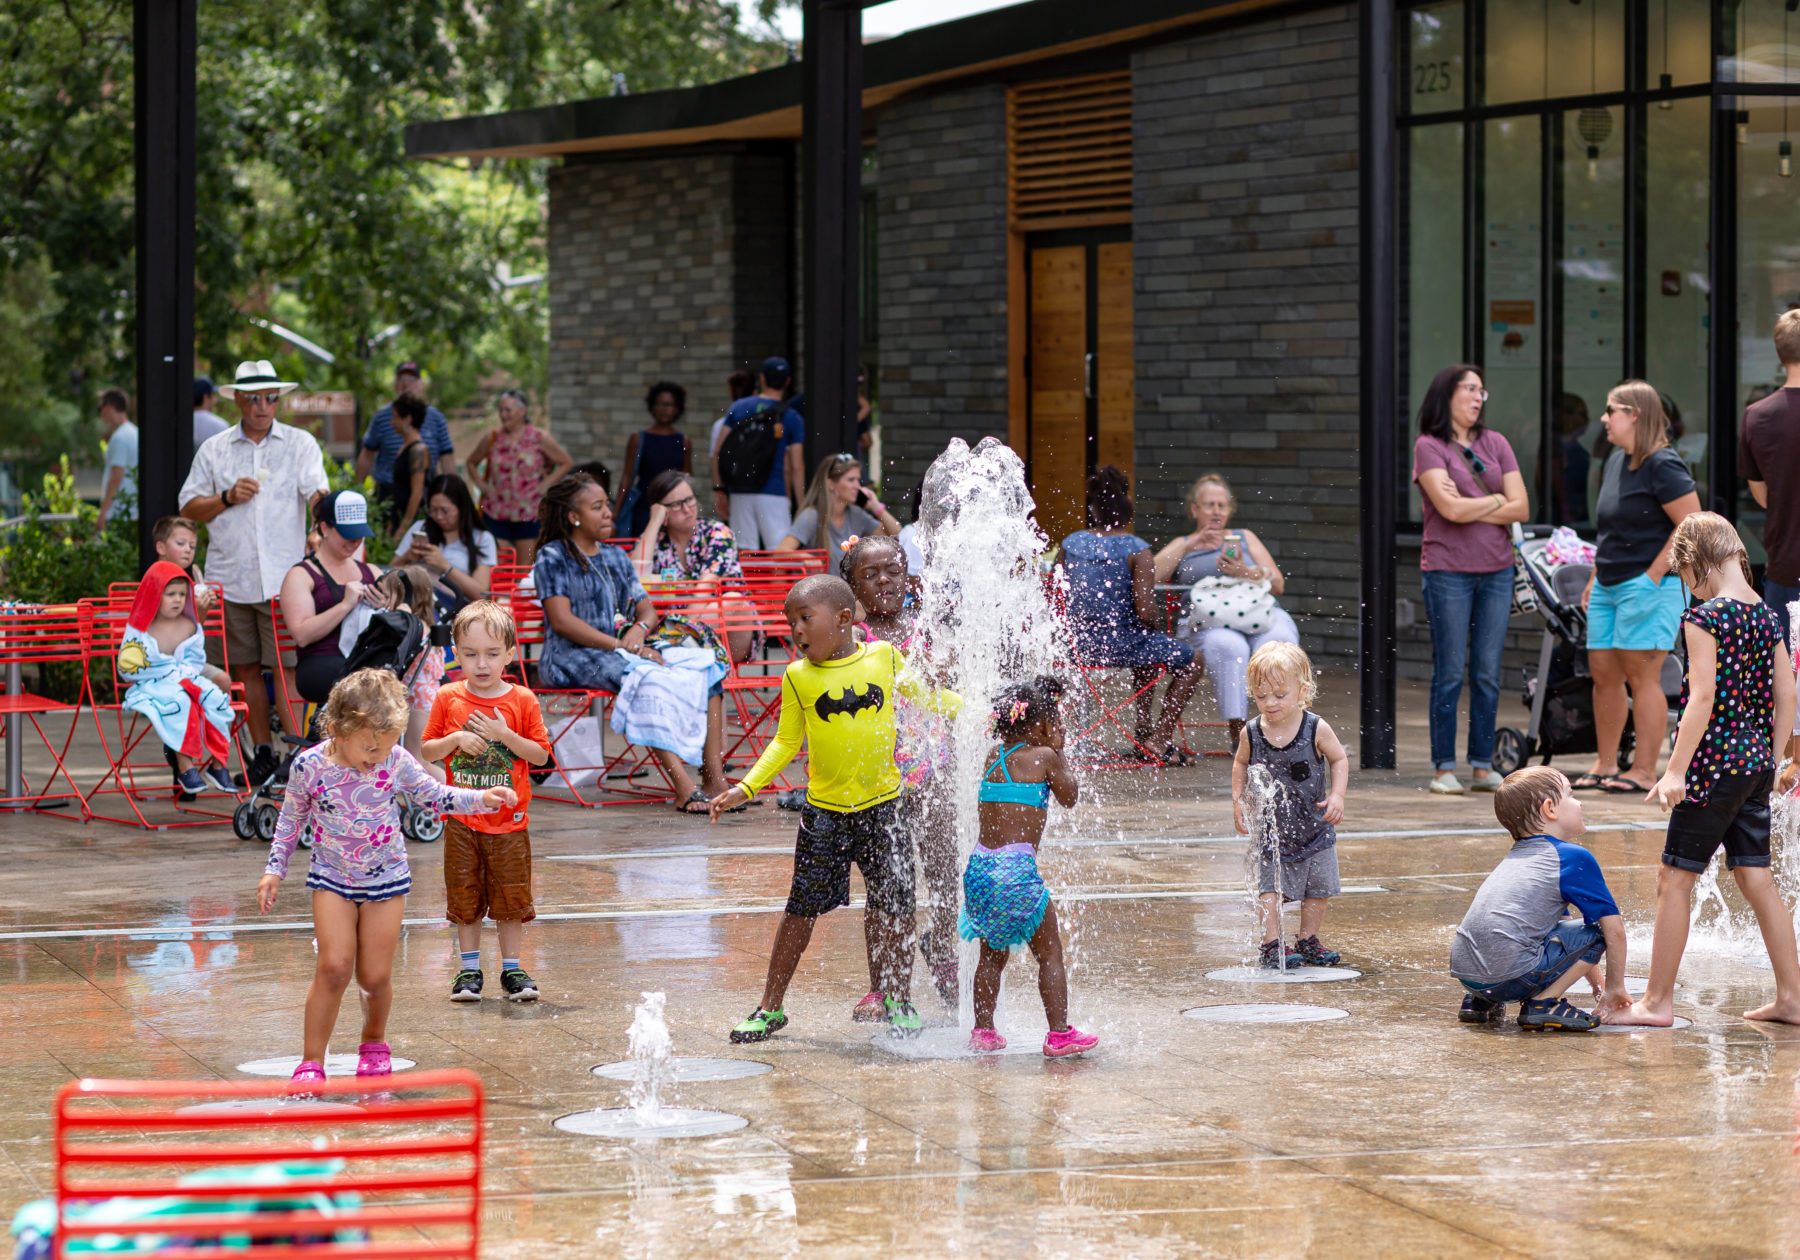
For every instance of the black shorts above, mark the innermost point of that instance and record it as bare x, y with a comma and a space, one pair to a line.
829, 841
1736, 814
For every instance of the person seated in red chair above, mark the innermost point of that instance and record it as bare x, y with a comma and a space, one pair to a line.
162, 655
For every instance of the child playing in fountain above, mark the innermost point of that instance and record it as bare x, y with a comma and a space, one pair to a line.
1310, 772
488, 732
162, 654
345, 788
1005, 902
839, 697
1514, 944
1737, 705
876, 569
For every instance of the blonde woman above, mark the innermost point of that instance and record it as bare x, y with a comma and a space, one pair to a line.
1213, 550
1633, 599
837, 506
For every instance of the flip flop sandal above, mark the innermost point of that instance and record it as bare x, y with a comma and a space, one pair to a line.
1173, 756
697, 798
1587, 782
1613, 785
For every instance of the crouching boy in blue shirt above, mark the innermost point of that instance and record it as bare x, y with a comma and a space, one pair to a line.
1514, 944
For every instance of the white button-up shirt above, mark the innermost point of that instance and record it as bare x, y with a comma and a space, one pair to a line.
252, 545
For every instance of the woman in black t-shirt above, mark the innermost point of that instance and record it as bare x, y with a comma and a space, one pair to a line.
1634, 602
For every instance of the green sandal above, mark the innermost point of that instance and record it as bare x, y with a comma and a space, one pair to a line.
760, 1026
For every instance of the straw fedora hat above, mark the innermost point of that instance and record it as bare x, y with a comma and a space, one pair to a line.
256, 375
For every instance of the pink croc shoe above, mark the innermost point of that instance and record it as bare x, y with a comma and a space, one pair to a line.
372, 1059
871, 1010
986, 1041
306, 1075
1070, 1040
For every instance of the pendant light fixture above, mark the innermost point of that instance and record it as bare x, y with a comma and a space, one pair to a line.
1666, 81
1594, 124
1784, 161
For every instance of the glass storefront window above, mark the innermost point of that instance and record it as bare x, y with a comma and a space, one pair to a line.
1761, 42
1434, 58
1680, 42
1434, 281
1513, 265
1592, 263
1768, 266
1675, 278
1538, 49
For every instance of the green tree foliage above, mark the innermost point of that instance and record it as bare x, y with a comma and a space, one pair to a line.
309, 213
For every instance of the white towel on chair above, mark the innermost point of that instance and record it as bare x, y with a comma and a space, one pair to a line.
664, 706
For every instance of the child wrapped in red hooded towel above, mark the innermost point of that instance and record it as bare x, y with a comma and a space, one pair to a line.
163, 656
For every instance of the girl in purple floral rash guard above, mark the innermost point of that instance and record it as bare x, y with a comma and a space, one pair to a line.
345, 790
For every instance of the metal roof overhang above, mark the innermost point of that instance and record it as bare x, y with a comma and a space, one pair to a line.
766, 105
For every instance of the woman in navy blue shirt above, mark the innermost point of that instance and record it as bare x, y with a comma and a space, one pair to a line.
651, 451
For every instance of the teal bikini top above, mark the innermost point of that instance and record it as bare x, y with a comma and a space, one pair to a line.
1036, 795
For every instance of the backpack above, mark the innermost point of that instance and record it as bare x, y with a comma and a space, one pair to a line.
393, 640
747, 455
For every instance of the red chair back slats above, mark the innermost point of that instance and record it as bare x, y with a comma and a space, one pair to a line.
45, 636
396, 1175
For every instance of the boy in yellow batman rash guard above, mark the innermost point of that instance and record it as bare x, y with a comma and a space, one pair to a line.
839, 697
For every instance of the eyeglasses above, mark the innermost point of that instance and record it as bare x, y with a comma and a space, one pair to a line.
1624, 408
680, 505
1481, 395
267, 400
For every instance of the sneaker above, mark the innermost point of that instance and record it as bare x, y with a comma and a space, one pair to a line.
306, 1075
760, 1026
519, 986
1479, 1010
871, 1010
1271, 956
1485, 781
466, 987
373, 1059
191, 782
902, 1019
1446, 784
1071, 1040
1539, 1014
1314, 954
261, 766
220, 778
986, 1041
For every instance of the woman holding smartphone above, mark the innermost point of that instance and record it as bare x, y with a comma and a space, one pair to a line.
837, 507
1214, 550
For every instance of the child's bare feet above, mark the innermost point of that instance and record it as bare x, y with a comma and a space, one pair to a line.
1642, 1015
1777, 1012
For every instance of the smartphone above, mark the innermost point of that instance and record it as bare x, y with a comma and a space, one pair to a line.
1231, 548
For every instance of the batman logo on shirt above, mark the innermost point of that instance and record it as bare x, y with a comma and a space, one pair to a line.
850, 701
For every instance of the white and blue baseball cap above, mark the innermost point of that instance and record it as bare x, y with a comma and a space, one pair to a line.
347, 512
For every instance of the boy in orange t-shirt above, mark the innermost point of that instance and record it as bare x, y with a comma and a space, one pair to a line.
486, 731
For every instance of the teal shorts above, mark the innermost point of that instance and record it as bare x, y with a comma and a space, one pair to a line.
1637, 615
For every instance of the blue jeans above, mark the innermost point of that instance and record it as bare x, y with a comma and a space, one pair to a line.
1468, 614
1569, 941
1778, 597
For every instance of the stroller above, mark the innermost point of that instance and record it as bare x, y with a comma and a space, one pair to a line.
1560, 694
394, 640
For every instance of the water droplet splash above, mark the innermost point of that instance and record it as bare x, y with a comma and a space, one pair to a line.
652, 1052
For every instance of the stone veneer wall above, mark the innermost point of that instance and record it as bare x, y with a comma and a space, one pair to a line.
1245, 246
671, 268
941, 202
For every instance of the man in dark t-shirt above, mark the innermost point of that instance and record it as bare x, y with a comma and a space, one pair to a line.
1769, 459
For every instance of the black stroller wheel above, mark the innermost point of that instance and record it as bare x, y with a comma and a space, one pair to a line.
243, 821
266, 817
1509, 750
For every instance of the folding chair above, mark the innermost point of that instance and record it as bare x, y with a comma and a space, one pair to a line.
194, 1169
1174, 606
41, 636
106, 635
789, 566
296, 710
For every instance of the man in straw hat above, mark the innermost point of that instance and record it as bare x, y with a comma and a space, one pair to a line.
255, 484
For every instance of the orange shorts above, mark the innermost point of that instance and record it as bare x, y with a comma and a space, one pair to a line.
487, 876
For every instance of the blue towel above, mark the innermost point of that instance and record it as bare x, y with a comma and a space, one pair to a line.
1004, 898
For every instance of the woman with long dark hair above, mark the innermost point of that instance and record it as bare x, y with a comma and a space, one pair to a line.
448, 543
1470, 491
1116, 614
651, 451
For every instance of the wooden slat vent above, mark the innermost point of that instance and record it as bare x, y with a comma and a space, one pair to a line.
1068, 152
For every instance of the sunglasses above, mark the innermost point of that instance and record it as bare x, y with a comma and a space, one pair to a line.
1475, 461
267, 400
1622, 408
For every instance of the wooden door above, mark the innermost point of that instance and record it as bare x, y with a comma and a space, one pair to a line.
1080, 371
1059, 338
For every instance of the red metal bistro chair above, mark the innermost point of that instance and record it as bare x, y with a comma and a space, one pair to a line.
39, 637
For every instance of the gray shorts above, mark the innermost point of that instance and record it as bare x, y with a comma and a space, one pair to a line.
759, 521
1315, 876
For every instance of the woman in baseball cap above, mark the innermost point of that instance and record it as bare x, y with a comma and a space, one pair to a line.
326, 587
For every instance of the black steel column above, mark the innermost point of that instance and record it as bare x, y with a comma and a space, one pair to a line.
831, 186
163, 56
1720, 494
1378, 227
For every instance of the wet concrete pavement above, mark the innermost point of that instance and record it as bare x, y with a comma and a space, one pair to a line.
1395, 1130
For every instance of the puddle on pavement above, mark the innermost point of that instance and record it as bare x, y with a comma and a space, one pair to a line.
1264, 1013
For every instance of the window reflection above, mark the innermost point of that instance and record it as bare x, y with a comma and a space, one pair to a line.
1434, 58
1680, 42
1761, 42
1434, 283
1768, 271
1675, 271
1539, 49
1591, 254
1513, 263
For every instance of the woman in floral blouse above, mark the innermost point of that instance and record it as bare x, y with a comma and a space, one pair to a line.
678, 545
